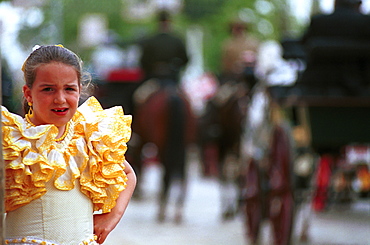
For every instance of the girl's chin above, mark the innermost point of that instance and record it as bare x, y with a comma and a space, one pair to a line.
61, 123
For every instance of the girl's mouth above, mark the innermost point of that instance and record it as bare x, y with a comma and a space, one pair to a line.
60, 110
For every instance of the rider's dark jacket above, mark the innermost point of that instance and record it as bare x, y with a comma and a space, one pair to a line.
163, 56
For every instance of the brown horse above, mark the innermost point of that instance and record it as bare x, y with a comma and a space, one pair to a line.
165, 118
221, 130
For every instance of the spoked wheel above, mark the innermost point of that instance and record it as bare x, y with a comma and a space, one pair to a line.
253, 202
281, 215
281, 203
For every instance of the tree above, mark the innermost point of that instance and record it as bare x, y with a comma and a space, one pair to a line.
62, 17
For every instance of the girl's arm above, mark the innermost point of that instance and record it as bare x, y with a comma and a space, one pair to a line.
105, 223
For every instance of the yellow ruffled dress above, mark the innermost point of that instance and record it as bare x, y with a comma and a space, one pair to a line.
53, 187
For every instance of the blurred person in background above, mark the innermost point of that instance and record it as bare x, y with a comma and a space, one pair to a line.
222, 121
107, 57
162, 111
116, 73
164, 54
327, 72
239, 54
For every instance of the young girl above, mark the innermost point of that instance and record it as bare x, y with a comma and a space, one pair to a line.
63, 161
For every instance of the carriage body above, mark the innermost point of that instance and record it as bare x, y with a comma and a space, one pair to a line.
297, 136
336, 125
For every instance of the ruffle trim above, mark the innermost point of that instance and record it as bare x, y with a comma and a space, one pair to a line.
93, 151
38, 241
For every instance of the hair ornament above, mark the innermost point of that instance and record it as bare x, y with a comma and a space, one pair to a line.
35, 47
23, 66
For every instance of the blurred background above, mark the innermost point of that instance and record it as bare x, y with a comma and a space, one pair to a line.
107, 35
85, 26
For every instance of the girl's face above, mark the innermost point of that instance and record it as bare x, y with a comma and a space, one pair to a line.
54, 94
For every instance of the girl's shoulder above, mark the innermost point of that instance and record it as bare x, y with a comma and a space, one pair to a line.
14, 125
111, 121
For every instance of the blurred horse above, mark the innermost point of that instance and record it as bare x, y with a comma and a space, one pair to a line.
221, 128
164, 117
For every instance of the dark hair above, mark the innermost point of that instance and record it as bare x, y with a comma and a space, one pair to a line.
45, 55
163, 15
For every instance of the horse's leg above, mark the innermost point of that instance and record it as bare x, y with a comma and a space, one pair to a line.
175, 151
163, 199
229, 188
180, 185
180, 201
228, 163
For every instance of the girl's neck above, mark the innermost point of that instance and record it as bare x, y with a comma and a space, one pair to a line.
62, 130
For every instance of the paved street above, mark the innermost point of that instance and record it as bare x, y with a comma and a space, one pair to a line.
342, 225
202, 224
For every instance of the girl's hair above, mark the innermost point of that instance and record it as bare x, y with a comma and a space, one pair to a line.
51, 53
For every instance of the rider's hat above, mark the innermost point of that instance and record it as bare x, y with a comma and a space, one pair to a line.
238, 23
163, 15
348, 1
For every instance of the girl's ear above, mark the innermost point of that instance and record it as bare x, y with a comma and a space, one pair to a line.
27, 93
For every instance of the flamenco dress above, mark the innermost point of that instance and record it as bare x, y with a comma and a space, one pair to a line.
53, 187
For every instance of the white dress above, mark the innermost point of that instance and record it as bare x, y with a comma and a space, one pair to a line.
53, 188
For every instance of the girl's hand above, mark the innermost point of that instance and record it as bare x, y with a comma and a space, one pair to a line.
104, 224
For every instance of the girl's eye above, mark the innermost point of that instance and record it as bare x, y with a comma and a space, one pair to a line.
71, 89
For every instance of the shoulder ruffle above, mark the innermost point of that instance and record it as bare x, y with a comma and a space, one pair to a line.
107, 133
26, 170
93, 150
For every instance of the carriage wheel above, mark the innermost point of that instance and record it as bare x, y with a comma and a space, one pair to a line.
281, 204
253, 202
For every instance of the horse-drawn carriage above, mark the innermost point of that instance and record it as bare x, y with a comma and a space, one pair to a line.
296, 149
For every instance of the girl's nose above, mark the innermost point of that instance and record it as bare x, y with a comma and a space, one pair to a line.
59, 98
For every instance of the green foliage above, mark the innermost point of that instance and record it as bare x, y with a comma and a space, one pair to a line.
197, 10
213, 16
